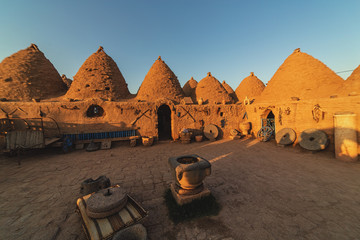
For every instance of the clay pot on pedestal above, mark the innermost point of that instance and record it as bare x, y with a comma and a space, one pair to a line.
189, 171
245, 127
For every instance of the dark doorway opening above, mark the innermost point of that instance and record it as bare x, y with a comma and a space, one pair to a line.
164, 122
268, 119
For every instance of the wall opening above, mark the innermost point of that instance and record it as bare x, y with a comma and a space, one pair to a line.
164, 122
95, 111
268, 119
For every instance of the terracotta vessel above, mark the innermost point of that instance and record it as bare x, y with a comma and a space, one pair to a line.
147, 141
245, 127
189, 171
198, 138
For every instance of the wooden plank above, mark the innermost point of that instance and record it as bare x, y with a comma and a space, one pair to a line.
101, 130
111, 139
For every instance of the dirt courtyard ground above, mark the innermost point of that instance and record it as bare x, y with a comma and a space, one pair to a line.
266, 192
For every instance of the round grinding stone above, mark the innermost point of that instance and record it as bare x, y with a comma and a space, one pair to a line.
313, 139
106, 202
211, 131
285, 136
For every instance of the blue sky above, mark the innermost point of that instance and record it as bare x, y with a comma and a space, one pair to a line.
228, 38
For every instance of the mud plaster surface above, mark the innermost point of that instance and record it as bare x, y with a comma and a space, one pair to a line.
266, 192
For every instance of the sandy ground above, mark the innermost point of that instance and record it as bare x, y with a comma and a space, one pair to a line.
266, 192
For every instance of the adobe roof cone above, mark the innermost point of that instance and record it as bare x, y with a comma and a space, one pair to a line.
28, 74
160, 82
98, 77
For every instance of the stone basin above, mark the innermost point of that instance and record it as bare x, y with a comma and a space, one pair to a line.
189, 171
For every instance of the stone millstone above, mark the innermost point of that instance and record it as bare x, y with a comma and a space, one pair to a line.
285, 136
313, 140
211, 132
106, 202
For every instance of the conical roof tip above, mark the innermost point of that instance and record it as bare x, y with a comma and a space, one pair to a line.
250, 87
160, 82
100, 49
66, 80
352, 83
230, 91
189, 88
34, 47
302, 76
98, 77
211, 90
28, 74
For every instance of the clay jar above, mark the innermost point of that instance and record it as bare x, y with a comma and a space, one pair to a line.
198, 138
189, 171
245, 127
147, 141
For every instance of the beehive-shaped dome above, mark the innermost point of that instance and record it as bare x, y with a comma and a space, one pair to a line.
302, 76
250, 87
28, 74
230, 91
98, 77
211, 90
160, 82
189, 89
66, 80
352, 83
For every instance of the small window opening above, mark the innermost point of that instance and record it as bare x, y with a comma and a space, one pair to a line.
95, 111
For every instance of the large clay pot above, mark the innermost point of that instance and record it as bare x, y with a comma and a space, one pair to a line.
147, 141
189, 170
245, 127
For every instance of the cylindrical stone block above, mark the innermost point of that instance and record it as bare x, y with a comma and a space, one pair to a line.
345, 136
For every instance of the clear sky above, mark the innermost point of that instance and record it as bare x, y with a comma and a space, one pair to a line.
225, 37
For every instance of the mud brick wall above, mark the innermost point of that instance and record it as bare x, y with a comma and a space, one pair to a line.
298, 114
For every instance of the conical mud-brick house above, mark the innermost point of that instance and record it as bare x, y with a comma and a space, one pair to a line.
98, 77
66, 80
189, 89
352, 83
230, 91
160, 82
211, 91
250, 87
302, 76
27, 75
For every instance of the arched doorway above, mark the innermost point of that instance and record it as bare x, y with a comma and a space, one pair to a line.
164, 122
268, 119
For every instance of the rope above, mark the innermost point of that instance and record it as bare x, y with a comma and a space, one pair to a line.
345, 71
